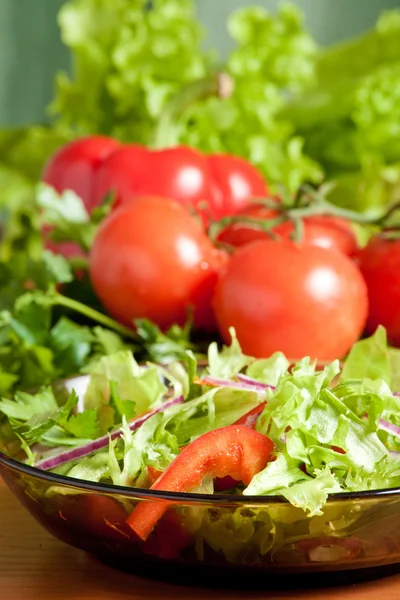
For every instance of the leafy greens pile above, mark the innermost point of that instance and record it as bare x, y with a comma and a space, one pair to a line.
293, 109
350, 116
329, 435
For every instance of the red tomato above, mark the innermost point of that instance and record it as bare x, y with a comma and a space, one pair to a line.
152, 259
180, 173
325, 232
73, 166
379, 262
241, 233
221, 484
215, 186
235, 183
303, 301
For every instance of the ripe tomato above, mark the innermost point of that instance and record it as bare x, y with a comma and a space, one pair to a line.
235, 183
303, 301
152, 259
325, 232
379, 262
73, 166
180, 173
215, 186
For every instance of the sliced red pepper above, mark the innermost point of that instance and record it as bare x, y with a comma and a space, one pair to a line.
154, 474
221, 484
250, 418
236, 450
169, 539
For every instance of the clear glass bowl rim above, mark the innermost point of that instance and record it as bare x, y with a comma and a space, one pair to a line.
184, 497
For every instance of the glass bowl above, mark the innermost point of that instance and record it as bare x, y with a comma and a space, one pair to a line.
202, 535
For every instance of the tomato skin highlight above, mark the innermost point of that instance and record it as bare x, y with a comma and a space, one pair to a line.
303, 301
74, 165
379, 263
236, 450
235, 183
151, 259
323, 231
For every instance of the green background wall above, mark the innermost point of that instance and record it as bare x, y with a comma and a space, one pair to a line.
31, 51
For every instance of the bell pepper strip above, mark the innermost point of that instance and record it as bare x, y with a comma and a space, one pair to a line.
154, 474
221, 484
250, 418
169, 539
236, 450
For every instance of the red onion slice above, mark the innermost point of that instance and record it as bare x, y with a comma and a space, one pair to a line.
389, 427
254, 382
81, 451
237, 385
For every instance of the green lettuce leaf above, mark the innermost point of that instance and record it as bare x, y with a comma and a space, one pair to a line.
311, 495
136, 389
229, 361
278, 474
269, 370
151, 445
369, 358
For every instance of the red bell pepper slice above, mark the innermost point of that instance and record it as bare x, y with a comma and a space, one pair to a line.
250, 418
221, 484
237, 450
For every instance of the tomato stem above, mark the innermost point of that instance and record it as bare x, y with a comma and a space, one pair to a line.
308, 203
166, 132
266, 225
94, 315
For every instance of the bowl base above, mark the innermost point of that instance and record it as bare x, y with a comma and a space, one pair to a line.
226, 577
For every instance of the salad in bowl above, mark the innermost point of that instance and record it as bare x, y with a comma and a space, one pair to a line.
271, 465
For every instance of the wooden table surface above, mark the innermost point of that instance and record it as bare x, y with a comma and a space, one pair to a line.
35, 566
